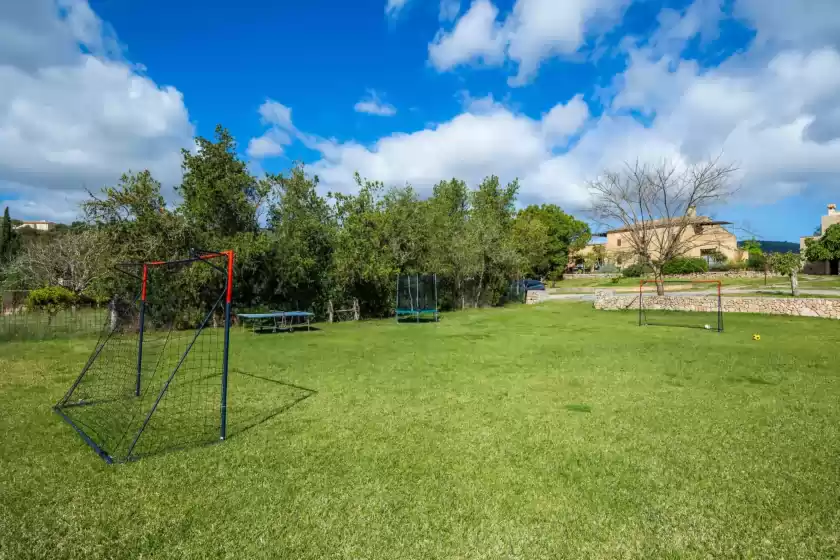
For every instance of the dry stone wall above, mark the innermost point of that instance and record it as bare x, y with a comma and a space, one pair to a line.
801, 307
536, 296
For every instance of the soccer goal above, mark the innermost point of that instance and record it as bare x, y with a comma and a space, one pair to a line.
417, 298
157, 377
685, 303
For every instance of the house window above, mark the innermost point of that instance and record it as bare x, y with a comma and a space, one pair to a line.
619, 242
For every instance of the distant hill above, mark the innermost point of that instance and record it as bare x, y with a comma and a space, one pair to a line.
779, 246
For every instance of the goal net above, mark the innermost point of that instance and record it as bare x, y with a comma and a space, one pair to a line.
685, 303
157, 377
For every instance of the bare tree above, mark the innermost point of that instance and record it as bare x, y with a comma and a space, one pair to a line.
655, 208
73, 260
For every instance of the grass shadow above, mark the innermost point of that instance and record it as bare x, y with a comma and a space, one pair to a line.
269, 330
753, 380
255, 400
578, 408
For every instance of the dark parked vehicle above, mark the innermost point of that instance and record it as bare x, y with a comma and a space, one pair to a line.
533, 285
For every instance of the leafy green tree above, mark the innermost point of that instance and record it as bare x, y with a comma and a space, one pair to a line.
363, 268
489, 232
566, 235
756, 259
533, 242
451, 253
219, 195
788, 264
405, 229
826, 248
302, 236
138, 225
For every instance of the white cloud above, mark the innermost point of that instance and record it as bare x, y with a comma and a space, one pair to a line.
393, 7
773, 110
268, 145
477, 37
373, 105
276, 114
449, 10
71, 120
564, 120
534, 30
797, 23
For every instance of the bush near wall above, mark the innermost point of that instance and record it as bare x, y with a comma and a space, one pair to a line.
636, 271
51, 298
685, 266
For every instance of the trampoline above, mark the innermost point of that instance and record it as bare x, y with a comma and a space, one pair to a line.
417, 298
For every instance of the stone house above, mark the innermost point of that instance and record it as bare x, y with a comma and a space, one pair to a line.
703, 238
822, 267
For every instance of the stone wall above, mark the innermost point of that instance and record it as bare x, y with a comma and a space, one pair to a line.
536, 296
802, 307
712, 275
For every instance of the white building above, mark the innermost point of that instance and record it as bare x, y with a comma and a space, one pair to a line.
37, 225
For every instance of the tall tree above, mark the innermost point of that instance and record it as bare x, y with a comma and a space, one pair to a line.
826, 248
489, 229
363, 268
134, 215
788, 264
219, 195
565, 235
6, 238
656, 207
451, 253
302, 236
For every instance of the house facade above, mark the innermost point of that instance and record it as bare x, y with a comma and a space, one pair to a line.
703, 238
831, 218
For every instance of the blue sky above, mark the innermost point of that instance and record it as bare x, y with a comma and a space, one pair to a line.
416, 91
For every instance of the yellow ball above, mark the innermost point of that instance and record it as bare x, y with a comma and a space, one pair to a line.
756, 337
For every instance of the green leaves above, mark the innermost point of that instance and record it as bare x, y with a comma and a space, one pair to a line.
826, 248
219, 193
546, 236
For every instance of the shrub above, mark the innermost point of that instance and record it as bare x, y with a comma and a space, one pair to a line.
685, 266
51, 298
608, 268
615, 279
756, 261
635, 271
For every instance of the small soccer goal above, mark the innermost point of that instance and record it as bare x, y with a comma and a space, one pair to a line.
157, 378
417, 298
686, 303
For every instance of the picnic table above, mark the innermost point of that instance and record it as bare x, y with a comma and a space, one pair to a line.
277, 320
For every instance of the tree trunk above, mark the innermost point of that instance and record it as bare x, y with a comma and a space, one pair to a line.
660, 286
794, 285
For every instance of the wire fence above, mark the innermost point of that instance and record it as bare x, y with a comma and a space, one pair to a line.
18, 322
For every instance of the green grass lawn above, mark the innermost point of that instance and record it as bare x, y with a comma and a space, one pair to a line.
553, 431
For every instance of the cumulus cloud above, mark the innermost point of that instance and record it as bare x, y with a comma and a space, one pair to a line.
449, 10
371, 104
394, 7
533, 31
772, 109
565, 119
477, 37
73, 113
